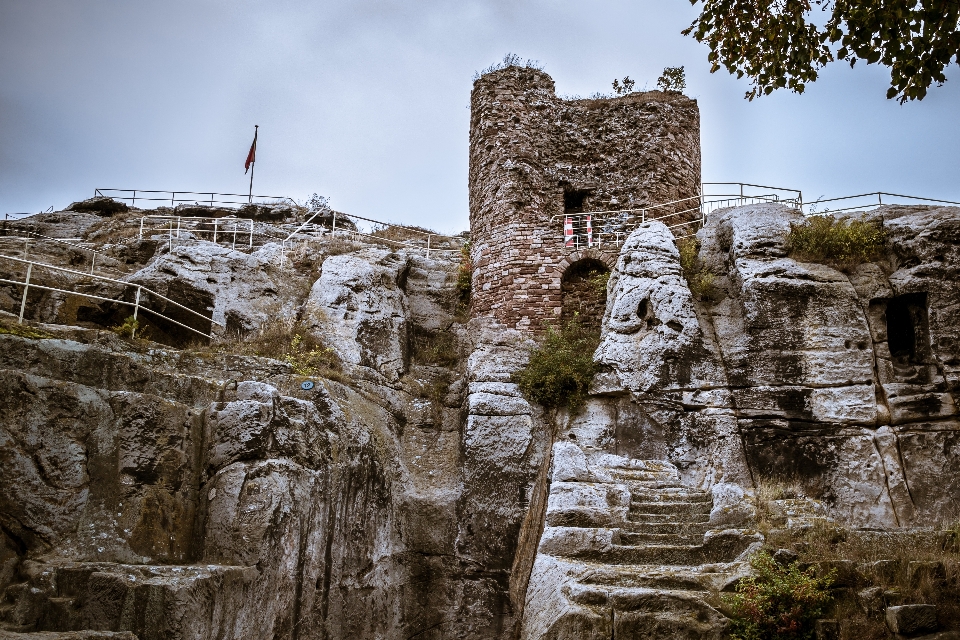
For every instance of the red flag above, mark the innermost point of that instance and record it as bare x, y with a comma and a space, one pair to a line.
252, 156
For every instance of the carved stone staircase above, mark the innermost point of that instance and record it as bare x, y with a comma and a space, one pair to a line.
649, 568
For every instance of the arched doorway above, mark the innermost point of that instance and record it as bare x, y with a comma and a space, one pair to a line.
584, 289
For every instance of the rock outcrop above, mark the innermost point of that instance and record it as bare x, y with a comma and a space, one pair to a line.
157, 491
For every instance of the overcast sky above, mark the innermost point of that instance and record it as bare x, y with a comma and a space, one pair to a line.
367, 101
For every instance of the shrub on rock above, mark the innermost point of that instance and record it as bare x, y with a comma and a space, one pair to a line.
560, 370
839, 243
779, 601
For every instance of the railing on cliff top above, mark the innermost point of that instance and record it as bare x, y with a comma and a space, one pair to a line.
185, 197
138, 303
391, 234
591, 229
29, 240
864, 201
595, 229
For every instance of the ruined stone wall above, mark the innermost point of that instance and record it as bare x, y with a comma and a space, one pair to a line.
528, 148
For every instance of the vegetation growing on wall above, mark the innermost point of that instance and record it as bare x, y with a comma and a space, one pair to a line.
700, 279
465, 276
839, 243
561, 368
672, 79
129, 328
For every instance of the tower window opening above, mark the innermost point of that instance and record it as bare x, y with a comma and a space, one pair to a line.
573, 200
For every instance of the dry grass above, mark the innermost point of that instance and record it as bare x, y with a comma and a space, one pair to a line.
292, 343
435, 347
700, 279
842, 244
403, 234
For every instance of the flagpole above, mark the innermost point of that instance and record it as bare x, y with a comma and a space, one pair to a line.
253, 165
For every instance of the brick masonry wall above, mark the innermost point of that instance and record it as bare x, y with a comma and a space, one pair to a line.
527, 147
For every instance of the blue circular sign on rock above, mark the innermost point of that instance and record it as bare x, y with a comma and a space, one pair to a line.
306, 385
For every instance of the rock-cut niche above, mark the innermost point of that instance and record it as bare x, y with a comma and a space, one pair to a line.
907, 328
584, 290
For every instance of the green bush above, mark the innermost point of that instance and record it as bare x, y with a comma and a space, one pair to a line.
560, 370
598, 282
839, 243
672, 79
698, 277
778, 602
128, 328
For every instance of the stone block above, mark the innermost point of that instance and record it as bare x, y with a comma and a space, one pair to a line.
911, 619
919, 572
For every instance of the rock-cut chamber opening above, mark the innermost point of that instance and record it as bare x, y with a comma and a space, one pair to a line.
907, 328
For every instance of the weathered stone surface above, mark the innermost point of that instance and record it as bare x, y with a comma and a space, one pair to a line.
911, 619
359, 306
240, 291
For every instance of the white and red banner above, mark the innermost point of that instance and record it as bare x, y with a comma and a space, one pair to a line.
568, 232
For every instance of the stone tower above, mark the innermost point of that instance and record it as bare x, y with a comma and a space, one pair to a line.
538, 161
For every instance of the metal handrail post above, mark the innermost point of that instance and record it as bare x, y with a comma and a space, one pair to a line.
141, 226
214, 231
93, 261
26, 285
234, 234
178, 227
333, 231
170, 232
251, 233
134, 203
173, 195
136, 308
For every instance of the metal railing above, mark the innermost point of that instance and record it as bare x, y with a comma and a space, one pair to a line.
229, 228
598, 228
137, 304
307, 228
185, 197
37, 237
868, 200
18, 216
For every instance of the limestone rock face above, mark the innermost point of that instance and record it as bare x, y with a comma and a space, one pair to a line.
359, 305
848, 380
179, 494
238, 291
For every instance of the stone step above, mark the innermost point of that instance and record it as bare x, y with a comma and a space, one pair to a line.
671, 494
670, 528
667, 554
654, 576
640, 475
685, 508
678, 518
636, 539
